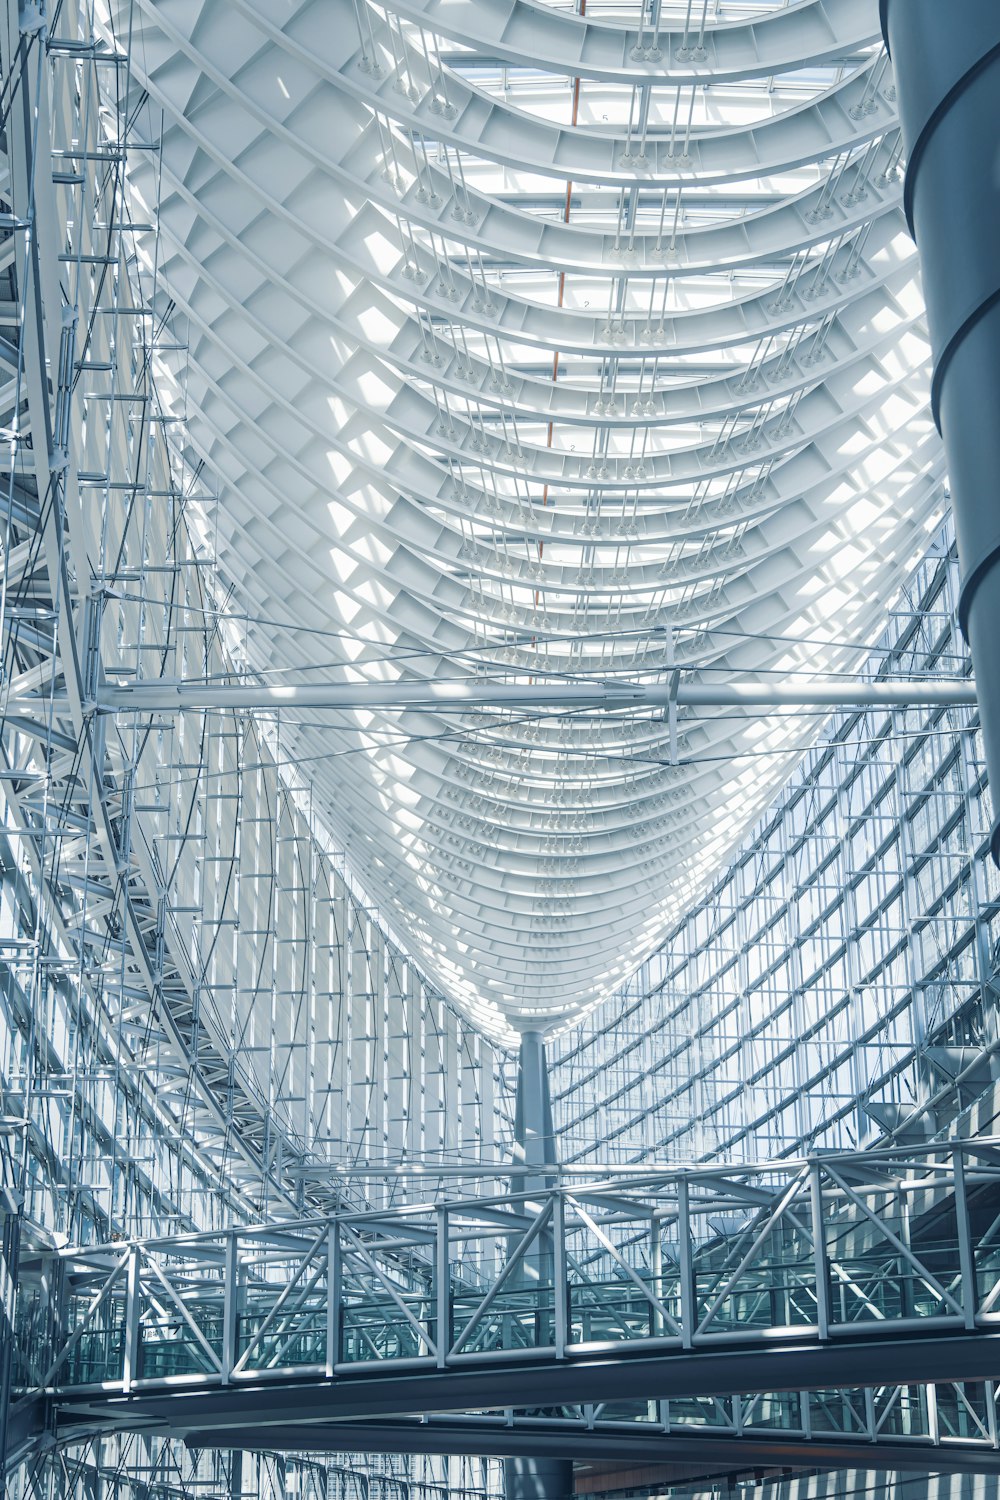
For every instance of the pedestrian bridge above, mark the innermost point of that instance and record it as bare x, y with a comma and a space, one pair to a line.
840, 1298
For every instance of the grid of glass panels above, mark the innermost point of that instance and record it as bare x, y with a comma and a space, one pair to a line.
823, 990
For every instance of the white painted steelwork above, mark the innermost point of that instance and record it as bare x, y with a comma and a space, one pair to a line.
549, 347
159, 697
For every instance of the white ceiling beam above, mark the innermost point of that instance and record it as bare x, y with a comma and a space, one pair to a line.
161, 697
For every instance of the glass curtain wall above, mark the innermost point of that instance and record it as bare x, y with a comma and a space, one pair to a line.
822, 990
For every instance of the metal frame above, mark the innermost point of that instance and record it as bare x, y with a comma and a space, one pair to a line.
590, 1439
534, 525
99, 823
787, 1277
172, 916
130, 1091
159, 697
839, 979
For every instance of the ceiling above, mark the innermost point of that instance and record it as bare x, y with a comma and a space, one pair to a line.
526, 344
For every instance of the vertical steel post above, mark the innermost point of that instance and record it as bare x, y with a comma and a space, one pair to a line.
933, 1420
820, 1266
442, 1287
689, 1311
534, 1133
560, 1288
130, 1370
9, 1256
334, 1311
992, 1426
656, 1274
230, 1274
905, 1273
540, 1478
966, 1259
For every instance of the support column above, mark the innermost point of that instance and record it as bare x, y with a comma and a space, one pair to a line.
533, 1132
946, 61
538, 1479
535, 1146
10, 1244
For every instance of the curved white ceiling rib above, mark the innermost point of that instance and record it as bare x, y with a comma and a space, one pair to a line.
539, 345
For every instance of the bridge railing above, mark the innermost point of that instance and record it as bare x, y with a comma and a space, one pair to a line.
813, 1249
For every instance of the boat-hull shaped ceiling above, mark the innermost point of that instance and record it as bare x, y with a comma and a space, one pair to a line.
535, 345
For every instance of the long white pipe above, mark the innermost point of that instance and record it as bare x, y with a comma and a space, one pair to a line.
164, 697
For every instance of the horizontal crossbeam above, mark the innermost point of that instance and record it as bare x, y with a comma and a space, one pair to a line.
165, 697
498, 1383
573, 1441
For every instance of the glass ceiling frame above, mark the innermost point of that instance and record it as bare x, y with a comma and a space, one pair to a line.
540, 345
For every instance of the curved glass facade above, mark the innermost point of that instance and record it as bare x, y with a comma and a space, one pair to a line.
370, 365
808, 998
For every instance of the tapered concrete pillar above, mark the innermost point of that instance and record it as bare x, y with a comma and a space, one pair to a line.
538, 1479
946, 61
535, 1146
533, 1132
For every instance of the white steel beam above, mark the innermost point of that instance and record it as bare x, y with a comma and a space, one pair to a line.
164, 697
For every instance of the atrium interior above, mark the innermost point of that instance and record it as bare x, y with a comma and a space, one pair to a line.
500, 611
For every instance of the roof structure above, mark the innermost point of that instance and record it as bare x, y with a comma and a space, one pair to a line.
525, 343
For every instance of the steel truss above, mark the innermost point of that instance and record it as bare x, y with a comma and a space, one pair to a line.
166, 697
735, 1304
166, 904
581, 432
155, 871
137, 1468
70, 809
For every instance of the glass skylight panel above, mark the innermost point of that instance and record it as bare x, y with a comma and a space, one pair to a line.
589, 367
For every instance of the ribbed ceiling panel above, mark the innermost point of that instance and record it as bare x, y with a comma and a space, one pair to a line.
537, 345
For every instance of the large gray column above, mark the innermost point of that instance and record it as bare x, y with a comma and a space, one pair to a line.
535, 1146
538, 1479
946, 61
533, 1132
